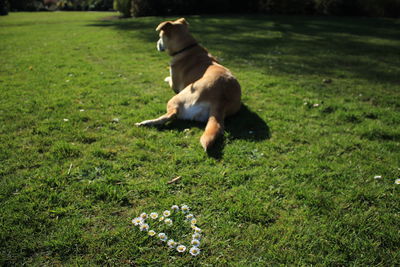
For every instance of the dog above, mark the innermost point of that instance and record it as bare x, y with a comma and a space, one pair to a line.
205, 90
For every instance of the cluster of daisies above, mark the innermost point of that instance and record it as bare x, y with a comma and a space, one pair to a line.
166, 218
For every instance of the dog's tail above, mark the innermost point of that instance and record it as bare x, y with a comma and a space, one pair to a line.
214, 128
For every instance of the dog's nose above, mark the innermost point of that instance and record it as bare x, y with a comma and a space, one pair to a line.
160, 45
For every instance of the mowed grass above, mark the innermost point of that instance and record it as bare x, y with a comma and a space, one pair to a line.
291, 183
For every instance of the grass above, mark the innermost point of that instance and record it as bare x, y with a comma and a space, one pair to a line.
292, 182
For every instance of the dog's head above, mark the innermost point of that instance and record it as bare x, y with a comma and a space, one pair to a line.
174, 35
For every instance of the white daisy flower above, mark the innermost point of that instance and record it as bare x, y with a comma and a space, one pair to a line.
163, 237
181, 248
144, 227
152, 233
166, 213
194, 251
197, 230
397, 181
175, 208
154, 215
196, 236
195, 242
171, 243
185, 208
161, 218
143, 215
168, 222
137, 221
193, 221
189, 216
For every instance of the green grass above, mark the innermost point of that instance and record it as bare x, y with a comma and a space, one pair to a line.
292, 182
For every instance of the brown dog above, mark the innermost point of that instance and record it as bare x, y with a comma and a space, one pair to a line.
206, 91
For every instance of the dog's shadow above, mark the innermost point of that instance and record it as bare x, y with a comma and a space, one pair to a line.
245, 124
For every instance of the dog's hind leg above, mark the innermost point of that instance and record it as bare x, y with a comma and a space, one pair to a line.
171, 114
214, 128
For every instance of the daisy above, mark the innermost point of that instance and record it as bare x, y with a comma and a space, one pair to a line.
185, 208
197, 230
195, 242
196, 236
181, 248
161, 218
194, 251
137, 221
168, 222
154, 215
189, 216
166, 213
193, 222
144, 227
143, 215
171, 243
175, 208
163, 237
397, 181
152, 233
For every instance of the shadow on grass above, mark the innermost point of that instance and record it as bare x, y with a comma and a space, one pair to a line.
244, 125
291, 45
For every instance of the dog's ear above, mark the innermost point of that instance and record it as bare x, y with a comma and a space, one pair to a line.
164, 25
182, 21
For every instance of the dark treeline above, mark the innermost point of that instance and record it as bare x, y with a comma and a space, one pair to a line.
375, 8
52, 5
137, 8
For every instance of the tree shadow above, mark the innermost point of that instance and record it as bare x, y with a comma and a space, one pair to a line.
291, 44
244, 125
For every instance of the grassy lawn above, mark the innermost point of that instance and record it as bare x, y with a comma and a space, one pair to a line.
292, 182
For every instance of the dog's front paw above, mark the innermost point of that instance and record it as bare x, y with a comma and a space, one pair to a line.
145, 123
140, 123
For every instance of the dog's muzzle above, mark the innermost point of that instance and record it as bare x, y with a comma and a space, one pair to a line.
160, 45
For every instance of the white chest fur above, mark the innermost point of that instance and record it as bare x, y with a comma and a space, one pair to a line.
194, 112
